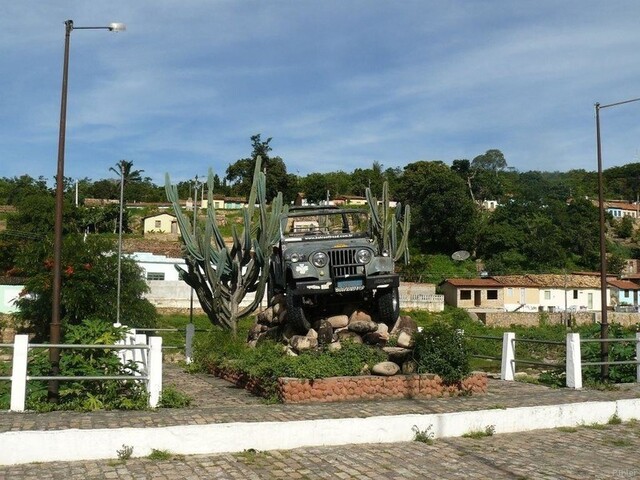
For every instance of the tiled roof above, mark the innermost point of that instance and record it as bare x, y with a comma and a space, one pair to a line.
515, 281
624, 284
473, 282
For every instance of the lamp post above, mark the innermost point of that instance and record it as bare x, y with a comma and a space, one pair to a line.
54, 353
118, 324
195, 219
604, 323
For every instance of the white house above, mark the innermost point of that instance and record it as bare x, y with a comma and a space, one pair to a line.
10, 289
161, 223
569, 292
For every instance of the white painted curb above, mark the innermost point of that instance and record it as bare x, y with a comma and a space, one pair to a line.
75, 444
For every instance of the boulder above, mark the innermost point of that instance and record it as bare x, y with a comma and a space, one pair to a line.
334, 346
255, 331
338, 321
404, 322
409, 367
385, 369
375, 338
405, 339
346, 335
279, 298
300, 343
265, 317
325, 332
359, 316
362, 326
282, 316
312, 334
397, 354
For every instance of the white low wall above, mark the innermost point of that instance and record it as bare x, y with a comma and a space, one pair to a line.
177, 294
70, 445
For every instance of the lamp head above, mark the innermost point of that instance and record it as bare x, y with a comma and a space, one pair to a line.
117, 27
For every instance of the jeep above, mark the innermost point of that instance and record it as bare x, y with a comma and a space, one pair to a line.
326, 259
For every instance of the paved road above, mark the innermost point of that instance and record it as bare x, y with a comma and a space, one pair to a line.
586, 452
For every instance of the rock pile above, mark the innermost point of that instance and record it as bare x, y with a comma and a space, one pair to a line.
354, 325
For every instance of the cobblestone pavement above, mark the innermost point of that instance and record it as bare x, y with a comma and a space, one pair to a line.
217, 401
586, 452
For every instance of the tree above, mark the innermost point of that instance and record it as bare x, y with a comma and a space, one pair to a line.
89, 286
127, 176
240, 173
442, 212
485, 169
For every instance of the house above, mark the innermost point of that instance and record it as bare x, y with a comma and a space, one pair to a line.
521, 293
620, 208
489, 205
624, 293
158, 267
473, 293
351, 200
160, 223
560, 292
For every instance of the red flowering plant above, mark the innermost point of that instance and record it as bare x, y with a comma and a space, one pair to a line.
89, 287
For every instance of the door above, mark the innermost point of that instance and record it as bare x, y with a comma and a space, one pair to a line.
522, 296
590, 301
174, 227
477, 297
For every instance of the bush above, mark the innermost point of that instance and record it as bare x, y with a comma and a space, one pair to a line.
89, 394
440, 349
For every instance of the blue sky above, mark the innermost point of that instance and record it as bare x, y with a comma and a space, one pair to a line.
338, 84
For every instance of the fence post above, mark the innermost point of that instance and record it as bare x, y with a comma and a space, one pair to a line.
19, 373
508, 369
154, 371
574, 361
140, 356
638, 357
188, 346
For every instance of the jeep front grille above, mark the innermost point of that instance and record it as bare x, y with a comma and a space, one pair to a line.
344, 264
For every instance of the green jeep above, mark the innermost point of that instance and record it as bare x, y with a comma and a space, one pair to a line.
326, 259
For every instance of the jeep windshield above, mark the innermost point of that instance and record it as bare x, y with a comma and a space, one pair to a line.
323, 224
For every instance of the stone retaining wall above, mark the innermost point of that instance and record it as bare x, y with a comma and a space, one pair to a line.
365, 387
533, 319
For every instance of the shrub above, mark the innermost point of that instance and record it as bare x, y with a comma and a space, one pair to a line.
90, 394
440, 349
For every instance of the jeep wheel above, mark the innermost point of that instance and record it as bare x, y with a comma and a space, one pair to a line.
295, 313
388, 303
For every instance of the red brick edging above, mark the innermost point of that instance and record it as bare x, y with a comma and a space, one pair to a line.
365, 387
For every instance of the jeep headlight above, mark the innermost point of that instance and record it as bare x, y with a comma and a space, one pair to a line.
319, 259
295, 257
363, 256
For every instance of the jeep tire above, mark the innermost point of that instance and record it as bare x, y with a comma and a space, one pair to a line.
388, 305
295, 313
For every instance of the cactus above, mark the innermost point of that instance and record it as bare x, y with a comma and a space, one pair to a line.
385, 226
223, 274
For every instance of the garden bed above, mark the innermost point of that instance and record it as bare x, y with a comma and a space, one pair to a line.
364, 387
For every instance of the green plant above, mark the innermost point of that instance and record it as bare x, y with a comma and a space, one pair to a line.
567, 429
618, 351
488, 431
614, 420
424, 436
90, 394
159, 454
441, 349
173, 398
385, 228
125, 452
222, 274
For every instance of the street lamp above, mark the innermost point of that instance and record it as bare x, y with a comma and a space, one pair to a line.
604, 323
54, 353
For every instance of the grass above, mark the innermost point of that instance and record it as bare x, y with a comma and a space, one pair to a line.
488, 431
159, 455
567, 429
423, 436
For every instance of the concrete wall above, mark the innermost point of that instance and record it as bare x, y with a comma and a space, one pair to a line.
8, 295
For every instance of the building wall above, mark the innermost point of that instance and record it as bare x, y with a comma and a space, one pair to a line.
453, 296
558, 301
165, 221
8, 295
515, 297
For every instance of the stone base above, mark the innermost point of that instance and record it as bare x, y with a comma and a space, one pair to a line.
366, 387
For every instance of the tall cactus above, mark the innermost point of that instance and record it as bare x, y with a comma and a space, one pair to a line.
385, 226
222, 274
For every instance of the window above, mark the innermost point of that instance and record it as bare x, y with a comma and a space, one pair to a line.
510, 292
158, 223
492, 294
547, 294
575, 294
465, 294
626, 294
155, 275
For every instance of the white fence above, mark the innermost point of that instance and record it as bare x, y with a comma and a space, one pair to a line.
574, 363
134, 347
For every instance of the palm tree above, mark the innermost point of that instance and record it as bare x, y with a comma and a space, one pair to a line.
126, 175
